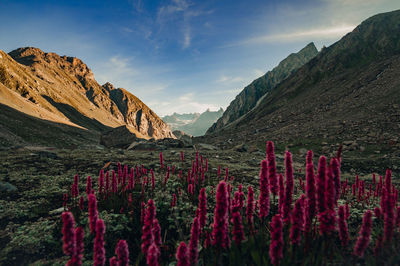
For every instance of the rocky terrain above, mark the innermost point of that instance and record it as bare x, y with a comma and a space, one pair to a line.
194, 124
249, 97
349, 94
63, 90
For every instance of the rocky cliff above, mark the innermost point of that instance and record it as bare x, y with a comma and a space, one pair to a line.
350, 92
63, 89
247, 99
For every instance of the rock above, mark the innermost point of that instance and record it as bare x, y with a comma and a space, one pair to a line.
179, 134
171, 143
47, 155
147, 145
6, 187
241, 148
204, 146
119, 137
57, 211
302, 151
187, 140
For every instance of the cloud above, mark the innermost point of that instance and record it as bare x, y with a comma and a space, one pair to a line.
187, 37
299, 35
186, 103
229, 79
179, 14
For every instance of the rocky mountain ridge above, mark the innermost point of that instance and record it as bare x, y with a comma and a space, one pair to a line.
63, 89
348, 93
248, 98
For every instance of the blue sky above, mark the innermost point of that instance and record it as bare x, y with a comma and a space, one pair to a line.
181, 55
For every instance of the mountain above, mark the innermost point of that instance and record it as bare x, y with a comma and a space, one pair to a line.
194, 124
176, 121
251, 94
63, 90
349, 92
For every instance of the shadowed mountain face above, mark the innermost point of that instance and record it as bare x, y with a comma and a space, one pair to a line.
193, 124
250, 95
349, 91
63, 90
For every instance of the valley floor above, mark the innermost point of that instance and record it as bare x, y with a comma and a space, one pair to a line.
33, 181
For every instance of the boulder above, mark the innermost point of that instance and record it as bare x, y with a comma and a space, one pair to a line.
119, 137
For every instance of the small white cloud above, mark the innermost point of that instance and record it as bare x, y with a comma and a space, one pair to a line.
258, 72
186, 38
229, 79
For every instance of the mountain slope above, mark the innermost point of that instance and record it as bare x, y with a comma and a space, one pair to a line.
250, 95
194, 124
63, 90
200, 125
349, 91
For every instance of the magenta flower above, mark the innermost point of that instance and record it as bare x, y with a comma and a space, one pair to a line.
122, 252
68, 233
250, 207
81, 203
329, 191
99, 253
378, 212
327, 222
264, 191
276, 245
89, 185
202, 208
147, 235
272, 176
79, 247
161, 161
297, 221
119, 172
75, 187
156, 232
310, 191
237, 232
321, 181
281, 193
287, 206
113, 261
124, 176
364, 235
194, 242
182, 255
220, 237
335, 166
389, 219
101, 181
388, 180
93, 214
114, 185
343, 230
398, 216
173, 203
153, 255
107, 181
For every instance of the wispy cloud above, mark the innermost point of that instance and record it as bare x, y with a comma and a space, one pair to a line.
229, 79
299, 35
186, 103
180, 13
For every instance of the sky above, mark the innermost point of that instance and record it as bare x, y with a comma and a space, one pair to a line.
181, 55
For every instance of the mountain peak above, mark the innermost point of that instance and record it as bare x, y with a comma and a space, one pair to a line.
108, 86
